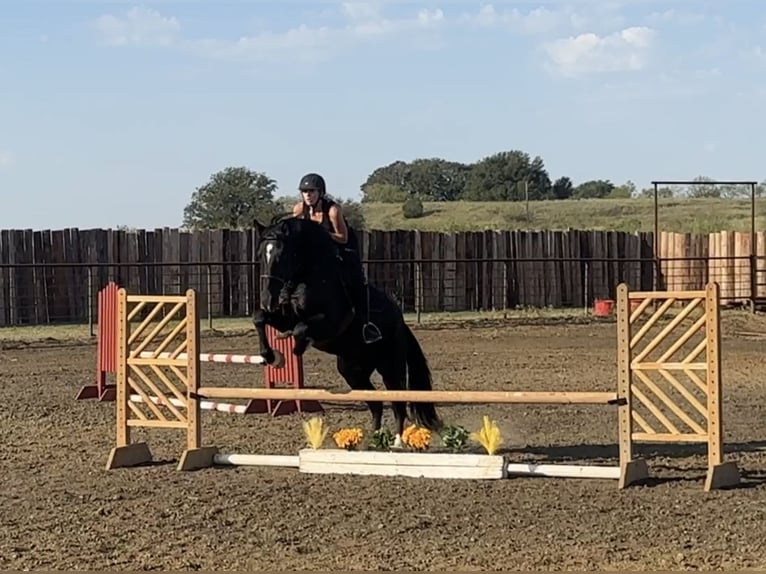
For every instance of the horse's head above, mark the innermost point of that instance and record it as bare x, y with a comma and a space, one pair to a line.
283, 251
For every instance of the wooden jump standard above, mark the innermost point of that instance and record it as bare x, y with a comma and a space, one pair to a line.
669, 410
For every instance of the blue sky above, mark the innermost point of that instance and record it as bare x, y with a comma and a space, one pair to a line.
113, 112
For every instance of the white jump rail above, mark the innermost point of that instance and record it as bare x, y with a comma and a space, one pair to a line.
415, 465
208, 357
204, 405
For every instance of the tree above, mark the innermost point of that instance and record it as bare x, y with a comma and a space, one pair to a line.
503, 177
233, 198
352, 210
394, 174
562, 188
593, 189
412, 208
436, 179
383, 193
624, 191
433, 179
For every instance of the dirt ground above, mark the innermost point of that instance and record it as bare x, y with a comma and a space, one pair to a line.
62, 510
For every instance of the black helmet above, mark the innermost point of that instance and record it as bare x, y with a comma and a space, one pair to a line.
312, 181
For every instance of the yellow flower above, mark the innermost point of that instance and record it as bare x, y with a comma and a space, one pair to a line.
315, 432
348, 438
489, 435
416, 437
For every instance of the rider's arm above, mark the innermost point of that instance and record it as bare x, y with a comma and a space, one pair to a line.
339, 223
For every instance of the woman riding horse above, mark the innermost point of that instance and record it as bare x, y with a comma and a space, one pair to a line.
315, 205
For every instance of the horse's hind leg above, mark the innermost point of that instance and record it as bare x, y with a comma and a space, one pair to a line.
393, 370
400, 413
357, 375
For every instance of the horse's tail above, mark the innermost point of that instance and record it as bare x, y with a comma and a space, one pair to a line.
419, 379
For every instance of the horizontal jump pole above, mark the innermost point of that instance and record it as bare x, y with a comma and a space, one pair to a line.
204, 405
562, 470
208, 357
256, 460
509, 397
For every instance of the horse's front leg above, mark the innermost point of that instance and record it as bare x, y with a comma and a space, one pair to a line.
300, 338
272, 356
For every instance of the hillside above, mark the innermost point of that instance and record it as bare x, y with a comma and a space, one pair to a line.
679, 215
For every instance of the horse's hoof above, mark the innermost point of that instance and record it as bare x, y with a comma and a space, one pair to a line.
280, 335
279, 360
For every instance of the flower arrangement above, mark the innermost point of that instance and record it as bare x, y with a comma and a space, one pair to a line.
417, 438
454, 437
348, 438
315, 432
488, 436
382, 439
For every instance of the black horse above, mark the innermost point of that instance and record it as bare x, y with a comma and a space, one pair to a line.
309, 292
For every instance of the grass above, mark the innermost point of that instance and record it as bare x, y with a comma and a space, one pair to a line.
631, 215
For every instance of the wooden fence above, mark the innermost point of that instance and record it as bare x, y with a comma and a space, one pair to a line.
53, 276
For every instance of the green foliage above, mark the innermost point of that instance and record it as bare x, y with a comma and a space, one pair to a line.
434, 179
412, 208
383, 193
508, 176
233, 198
455, 437
592, 189
353, 213
562, 188
624, 191
382, 439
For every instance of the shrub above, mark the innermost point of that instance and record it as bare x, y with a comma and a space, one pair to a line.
412, 208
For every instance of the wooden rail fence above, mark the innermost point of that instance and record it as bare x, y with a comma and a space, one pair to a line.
54, 275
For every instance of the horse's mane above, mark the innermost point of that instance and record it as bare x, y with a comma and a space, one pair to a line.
306, 234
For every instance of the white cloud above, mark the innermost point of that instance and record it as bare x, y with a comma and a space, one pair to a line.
364, 23
626, 50
676, 17
536, 21
356, 11
139, 27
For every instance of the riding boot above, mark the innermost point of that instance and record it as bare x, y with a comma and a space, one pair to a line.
370, 332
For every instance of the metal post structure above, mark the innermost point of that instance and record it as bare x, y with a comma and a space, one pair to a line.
752, 184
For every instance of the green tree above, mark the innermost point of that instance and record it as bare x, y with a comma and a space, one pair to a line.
433, 179
392, 174
383, 193
562, 188
593, 189
706, 187
436, 179
504, 176
233, 198
624, 191
412, 208
353, 212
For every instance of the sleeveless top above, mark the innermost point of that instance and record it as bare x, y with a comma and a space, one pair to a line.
327, 223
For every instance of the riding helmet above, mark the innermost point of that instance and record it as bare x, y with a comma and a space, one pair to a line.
312, 181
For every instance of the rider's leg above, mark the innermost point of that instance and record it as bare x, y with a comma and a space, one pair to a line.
370, 331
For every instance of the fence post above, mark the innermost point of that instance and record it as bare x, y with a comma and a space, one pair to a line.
89, 296
418, 290
209, 288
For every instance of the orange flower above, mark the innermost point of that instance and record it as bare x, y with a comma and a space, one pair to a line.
348, 438
417, 438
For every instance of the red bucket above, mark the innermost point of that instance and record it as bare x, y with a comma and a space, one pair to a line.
603, 307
